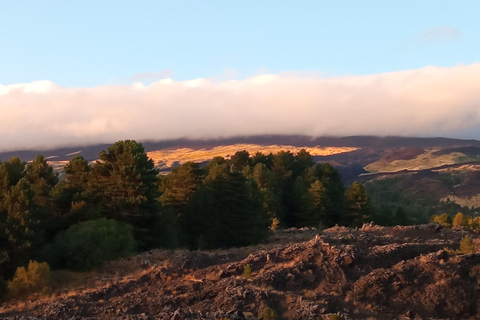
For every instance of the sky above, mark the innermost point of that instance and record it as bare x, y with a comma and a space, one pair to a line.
99, 71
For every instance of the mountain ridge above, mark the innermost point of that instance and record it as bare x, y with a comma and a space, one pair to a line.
90, 152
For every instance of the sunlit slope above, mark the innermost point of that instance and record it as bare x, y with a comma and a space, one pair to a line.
165, 158
430, 158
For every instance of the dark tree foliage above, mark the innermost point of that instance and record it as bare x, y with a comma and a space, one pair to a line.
22, 232
88, 244
181, 184
303, 161
76, 198
76, 173
225, 212
314, 214
11, 172
240, 160
42, 178
358, 207
334, 200
259, 157
126, 180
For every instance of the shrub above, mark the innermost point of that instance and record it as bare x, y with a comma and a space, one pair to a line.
88, 244
443, 219
268, 314
247, 271
36, 278
459, 221
466, 245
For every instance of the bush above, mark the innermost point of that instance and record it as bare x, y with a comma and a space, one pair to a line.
459, 221
466, 245
268, 314
443, 219
247, 271
88, 244
36, 278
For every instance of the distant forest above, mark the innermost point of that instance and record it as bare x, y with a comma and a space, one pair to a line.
120, 204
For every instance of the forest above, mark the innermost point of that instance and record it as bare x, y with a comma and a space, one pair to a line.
120, 204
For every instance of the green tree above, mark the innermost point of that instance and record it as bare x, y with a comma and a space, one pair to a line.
76, 198
314, 214
240, 160
259, 157
22, 215
10, 173
358, 205
262, 176
181, 184
225, 212
42, 178
303, 161
126, 180
76, 172
334, 199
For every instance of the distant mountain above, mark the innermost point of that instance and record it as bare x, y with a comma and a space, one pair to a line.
372, 142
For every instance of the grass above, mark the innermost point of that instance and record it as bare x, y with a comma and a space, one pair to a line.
426, 160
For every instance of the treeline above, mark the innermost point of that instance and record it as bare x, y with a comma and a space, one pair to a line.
120, 204
394, 204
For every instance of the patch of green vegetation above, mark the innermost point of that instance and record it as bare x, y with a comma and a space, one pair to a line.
450, 179
466, 159
466, 245
268, 314
247, 271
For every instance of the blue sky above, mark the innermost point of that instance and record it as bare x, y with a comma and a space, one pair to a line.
99, 71
89, 43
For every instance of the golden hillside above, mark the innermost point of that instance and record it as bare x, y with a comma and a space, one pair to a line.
165, 158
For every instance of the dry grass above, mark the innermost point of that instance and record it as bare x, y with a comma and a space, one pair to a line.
167, 157
423, 161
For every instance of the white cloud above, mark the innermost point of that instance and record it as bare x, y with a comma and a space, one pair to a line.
426, 102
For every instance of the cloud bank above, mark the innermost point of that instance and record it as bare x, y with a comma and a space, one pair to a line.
430, 101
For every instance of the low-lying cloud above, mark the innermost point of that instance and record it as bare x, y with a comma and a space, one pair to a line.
426, 102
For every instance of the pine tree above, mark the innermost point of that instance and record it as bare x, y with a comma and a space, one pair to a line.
357, 205
226, 212
126, 180
334, 200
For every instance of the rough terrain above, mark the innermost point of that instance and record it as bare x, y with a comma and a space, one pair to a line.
340, 273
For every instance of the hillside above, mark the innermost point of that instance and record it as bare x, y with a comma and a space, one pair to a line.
90, 152
167, 158
379, 272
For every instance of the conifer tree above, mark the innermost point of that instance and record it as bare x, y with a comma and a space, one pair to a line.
126, 180
225, 212
357, 205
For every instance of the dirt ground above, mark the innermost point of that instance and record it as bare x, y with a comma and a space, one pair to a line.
339, 273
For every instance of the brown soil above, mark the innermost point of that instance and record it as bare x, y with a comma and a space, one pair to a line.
340, 273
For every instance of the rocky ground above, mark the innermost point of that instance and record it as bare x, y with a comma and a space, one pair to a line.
340, 273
